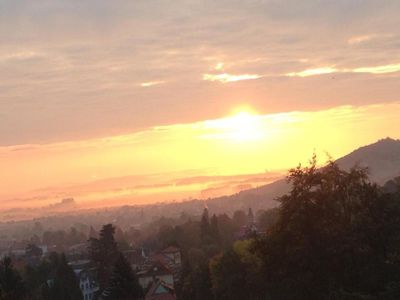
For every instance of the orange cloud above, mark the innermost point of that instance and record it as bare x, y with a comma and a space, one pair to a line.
226, 78
313, 72
328, 70
378, 69
151, 83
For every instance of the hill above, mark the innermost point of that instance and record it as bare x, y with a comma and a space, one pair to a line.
381, 158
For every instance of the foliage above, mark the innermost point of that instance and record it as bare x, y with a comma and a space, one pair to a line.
266, 219
239, 218
64, 285
11, 285
124, 284
334, 236
36, 279
336, 232
103, 252
33, 251
236, 274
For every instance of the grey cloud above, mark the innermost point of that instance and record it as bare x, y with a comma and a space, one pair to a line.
92, 56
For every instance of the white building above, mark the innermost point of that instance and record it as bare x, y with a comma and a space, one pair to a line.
87, 285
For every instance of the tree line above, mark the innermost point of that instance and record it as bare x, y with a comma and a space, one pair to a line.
334, 236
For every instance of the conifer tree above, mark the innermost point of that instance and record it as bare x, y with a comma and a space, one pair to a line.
11, 285
205, 227
103, 252
65, 285
124, 284
214, 229
250, 217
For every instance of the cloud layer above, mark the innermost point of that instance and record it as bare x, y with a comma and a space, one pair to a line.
73, 70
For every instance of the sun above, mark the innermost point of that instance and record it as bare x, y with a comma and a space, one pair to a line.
243, 126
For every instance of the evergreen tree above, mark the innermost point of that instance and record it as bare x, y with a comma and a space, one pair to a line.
36, 280
205, 227
103, 253
250, 217
124, 284
11, 285
64, 285
214, 230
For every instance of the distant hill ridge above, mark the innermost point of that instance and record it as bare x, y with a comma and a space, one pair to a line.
382, 159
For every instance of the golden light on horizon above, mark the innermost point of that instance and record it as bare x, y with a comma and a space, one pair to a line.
243, 142
243, 126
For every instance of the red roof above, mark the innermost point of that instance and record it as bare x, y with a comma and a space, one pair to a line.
159, 290
157, 268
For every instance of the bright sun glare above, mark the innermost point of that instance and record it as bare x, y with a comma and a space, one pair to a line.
243, 126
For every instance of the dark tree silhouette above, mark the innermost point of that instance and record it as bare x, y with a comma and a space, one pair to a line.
64, 285
103, 253
205, 227
33, 251
250, 217
336, 234
124, 284
214, 230
239, 218
11, 285
229, 277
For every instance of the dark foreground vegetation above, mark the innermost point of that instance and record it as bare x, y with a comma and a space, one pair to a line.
335, 235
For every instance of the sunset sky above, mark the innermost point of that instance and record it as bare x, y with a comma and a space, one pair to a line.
113, 102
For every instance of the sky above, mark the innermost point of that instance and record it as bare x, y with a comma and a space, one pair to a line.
118, 101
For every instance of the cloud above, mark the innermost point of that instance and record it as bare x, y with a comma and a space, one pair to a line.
360, 39
219, 66
20, 56
226, 78
329, 70
378, 69
313, 72
62, 61
151, 83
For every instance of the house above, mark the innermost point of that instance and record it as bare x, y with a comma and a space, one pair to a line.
159, 290
78, 250
170, 263
156, 271
87, 284
136, 259
174, 254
